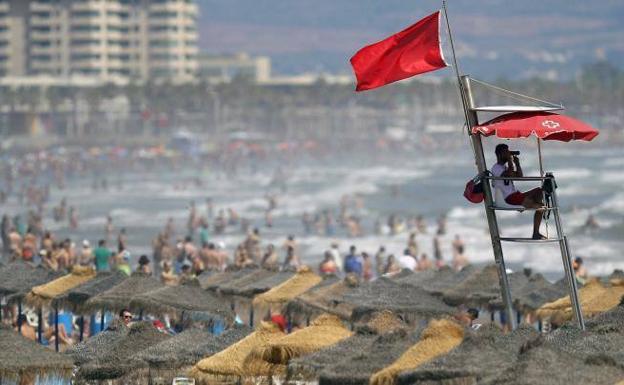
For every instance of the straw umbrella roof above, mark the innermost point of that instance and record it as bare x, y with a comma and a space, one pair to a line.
186, 297
604, 336
301, 282
325, 298
272, 358
440, 337
99, 344
20, 356
482, 287
189, 347
120, 295
229, 363
255, 283
594, 298
438, 281
480, 357
42, 295
17, 278
541, 363
76, 297
115, 362
411, 302
536, 292
212, 281
367, 354
308, 367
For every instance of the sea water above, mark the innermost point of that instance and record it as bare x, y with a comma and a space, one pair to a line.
422, 182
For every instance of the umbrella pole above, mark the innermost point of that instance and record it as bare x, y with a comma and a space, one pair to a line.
40, 326
19, 316
81, 327
539, 154
251, 316
102, 320
56, 329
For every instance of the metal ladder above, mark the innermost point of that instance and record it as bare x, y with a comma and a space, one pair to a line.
490, 210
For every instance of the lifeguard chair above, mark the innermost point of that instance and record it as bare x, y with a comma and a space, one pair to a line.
522, 122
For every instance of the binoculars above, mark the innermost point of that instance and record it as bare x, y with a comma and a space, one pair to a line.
514, 152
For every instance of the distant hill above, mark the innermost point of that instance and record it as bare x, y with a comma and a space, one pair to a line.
495, 38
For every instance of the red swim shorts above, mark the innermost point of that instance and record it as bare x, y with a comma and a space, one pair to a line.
515, 199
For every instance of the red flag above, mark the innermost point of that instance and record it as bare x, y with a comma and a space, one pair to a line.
413, 51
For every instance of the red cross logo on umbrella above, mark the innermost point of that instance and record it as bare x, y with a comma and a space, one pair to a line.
550, 124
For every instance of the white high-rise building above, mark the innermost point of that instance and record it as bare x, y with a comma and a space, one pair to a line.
100, 39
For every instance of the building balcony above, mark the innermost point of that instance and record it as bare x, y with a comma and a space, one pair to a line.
41, 50
174, 6
44, 65
44, 21
47, 35
87, 35
37, 6
87, 6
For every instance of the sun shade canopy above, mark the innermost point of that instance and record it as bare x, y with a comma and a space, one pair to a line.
544, 125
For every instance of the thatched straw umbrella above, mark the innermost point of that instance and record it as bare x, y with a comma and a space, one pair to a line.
74, 299
535, 293
22, 358
120, 295
241, 290
301, 282
440, 337
603, 337
42, 295
115, 362
480, 357
188, 348
541, 363
100, 344
594, 298
385, 335
412, 303
436, 282
173, 357
309, 367
18, 278
481, 288
182, 298
211, 280
272, 358
228, 365
325, 298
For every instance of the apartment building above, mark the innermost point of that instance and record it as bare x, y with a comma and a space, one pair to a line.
103, 39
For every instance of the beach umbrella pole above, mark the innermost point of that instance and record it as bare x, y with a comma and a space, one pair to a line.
102, 321
19, 316
56, 329
251, 316
40, 326
81, 327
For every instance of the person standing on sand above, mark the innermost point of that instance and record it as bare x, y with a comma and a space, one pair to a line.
380, 261
102, 257
352, 263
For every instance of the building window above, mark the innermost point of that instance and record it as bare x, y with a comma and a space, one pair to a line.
85, 13
85, 28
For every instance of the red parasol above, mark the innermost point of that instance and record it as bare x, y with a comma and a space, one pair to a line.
544, 125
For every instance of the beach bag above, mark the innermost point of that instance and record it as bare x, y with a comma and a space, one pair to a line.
474, 190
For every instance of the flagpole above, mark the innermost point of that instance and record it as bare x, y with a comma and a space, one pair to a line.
457, 75
477, 147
